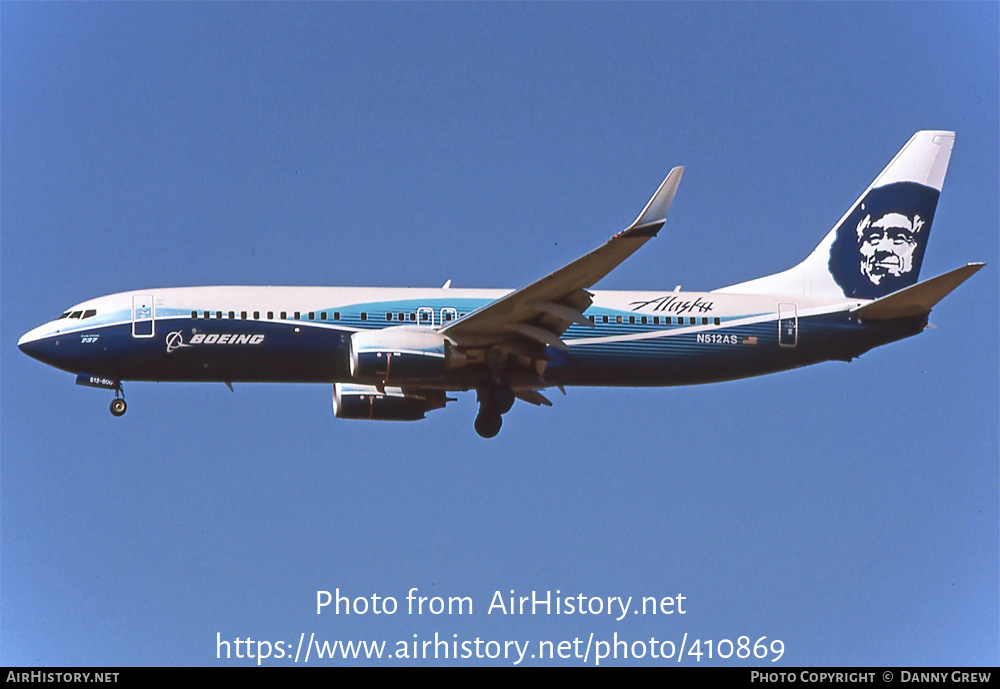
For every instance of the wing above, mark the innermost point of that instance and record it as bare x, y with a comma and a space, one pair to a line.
532, 317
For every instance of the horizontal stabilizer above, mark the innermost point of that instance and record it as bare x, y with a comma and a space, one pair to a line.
917, 299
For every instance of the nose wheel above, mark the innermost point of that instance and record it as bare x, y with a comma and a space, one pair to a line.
118, 405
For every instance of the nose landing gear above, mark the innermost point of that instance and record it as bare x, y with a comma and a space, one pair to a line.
118, 405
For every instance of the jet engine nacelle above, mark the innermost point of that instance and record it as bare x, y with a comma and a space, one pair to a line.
400, 354
352, 401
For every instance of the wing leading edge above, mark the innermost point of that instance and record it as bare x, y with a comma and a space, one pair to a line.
542, 311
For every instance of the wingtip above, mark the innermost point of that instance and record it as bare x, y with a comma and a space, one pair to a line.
658, 207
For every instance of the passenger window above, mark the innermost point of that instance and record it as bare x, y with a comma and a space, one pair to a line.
194, 314
284, 315
256, 315
413, 316
388, 317
656, 320
668, 320
218, 314
364, 315
336, 315
243, 315
323, 315
206, 314
270, 315
631, 319
618, 319
312, 315
297, 314
604, 319
644, 320
717, 321
232, 315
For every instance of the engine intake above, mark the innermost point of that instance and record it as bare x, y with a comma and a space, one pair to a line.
352, 401
399, 354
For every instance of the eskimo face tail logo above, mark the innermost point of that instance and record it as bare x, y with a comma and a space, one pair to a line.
880, 246
887, 245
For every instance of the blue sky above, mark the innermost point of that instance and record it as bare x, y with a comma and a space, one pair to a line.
849, 510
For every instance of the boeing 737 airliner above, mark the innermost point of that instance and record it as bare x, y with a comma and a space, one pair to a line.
395, 354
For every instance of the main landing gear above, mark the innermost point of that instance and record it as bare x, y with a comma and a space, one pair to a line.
488, 423
118, 405
494, 401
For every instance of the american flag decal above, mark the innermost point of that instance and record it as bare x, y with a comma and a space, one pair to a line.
752, 340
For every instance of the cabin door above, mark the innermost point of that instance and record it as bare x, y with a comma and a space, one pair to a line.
788, 325
142, 315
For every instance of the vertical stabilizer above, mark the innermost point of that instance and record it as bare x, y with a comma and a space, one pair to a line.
878, 246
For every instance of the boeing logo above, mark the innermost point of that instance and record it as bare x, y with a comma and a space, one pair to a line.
175, 339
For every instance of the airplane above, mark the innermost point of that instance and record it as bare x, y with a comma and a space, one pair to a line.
396, 353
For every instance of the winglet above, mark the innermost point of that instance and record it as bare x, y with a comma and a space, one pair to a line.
656, 210
561, 297
917, 299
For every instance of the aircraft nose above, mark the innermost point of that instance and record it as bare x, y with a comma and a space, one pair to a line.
31, 342
24, 344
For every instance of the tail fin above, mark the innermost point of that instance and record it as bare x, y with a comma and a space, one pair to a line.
878, 246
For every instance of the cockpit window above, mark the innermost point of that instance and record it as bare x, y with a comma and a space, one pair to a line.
75, 314
89, 312
65, 315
